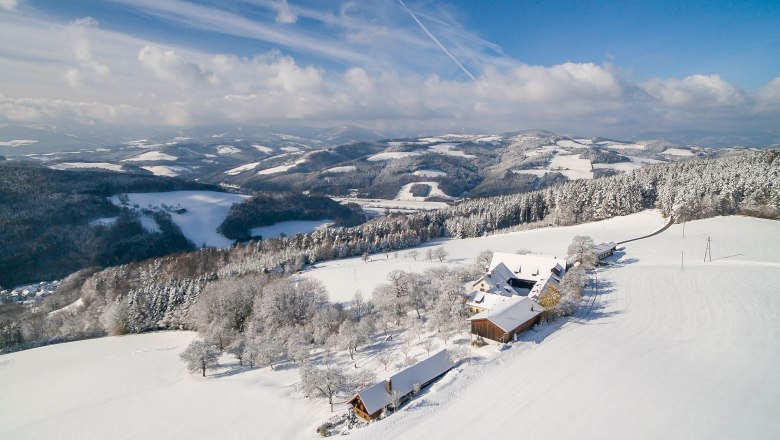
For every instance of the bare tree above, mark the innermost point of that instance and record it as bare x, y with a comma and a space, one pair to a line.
414, 253
440, 253
429, 345
200, 356
581, 250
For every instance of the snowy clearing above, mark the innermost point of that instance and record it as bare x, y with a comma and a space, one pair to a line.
378, 206
88, 165
447, 149
103, 221
242, 168
572, 166
405, 193
165, 170
537, 173
290, 149
392, 155
263, 148
584, 141
341, 169
227, 149
152, 156
619, 146
280, 168
569, 144
291, 227
657, 352
677, 152
429, 173
205, 211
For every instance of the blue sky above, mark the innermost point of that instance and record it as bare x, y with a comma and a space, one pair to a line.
608, 67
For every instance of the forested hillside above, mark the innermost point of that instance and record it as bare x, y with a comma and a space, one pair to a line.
159, 293
45, 218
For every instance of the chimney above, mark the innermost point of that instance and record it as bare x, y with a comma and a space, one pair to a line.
389, 385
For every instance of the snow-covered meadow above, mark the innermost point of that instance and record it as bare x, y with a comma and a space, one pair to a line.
205, 211
657, 350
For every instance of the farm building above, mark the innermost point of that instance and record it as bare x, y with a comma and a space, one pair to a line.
604, 250
507, 318
514, 275
398, 388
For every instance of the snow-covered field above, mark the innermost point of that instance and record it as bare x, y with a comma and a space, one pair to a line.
678, 152
152, 156
429, 173
242, 168
378, 206
447, 150
656, 351
165, 170
88, 165
663, 352
341, 169
570, 144
572, 166
205, 212
391, 155
135, 387
405, 193
291, 227
281, 168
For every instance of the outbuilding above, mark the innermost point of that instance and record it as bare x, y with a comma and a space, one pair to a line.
400, 387
506, 319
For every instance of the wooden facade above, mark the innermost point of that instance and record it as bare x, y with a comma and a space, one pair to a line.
487, 329
361, 411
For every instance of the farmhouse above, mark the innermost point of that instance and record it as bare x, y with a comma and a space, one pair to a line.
514, 275
506, 319
398, 388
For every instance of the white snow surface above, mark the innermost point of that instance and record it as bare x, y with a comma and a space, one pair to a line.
392, 155
447, 150
405, 193
205, 212
572, 166
429, 173
678, 152
570, 144
263, 148
619, 146
88, 165
165, 170
227, 149
656, 352
242, 168
134, 387
341, 169
152, 156
290, 227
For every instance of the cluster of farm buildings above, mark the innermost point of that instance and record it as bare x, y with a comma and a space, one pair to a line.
502, 305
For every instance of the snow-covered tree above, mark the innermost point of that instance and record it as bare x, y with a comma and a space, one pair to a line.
440, 253
581, 250
331, 381
200, 356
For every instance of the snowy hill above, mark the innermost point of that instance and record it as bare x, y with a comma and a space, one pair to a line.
655, 351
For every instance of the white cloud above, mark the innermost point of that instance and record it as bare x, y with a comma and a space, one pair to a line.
284, 14
88, 71
169, 66
695, 91
8, 5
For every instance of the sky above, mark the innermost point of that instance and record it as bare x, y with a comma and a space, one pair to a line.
608, 68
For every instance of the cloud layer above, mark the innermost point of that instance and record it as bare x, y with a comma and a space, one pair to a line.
79, 73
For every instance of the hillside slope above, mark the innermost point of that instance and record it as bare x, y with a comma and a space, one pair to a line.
662, 353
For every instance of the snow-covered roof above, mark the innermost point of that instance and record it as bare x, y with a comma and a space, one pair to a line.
376, 397
511, 312
542, 284
529, 267
485, 300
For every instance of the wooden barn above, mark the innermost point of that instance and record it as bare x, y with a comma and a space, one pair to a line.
370, 403
506, 319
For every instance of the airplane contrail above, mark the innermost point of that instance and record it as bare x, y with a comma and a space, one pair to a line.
438, 43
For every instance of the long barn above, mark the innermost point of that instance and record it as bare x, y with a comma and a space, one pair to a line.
508, 318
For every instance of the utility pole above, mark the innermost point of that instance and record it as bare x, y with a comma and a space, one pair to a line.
708, 252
